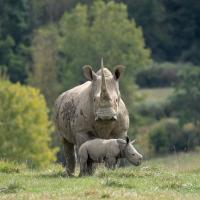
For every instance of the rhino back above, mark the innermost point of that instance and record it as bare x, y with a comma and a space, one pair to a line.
98, 149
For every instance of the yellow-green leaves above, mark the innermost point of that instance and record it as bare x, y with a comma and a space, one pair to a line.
24, 125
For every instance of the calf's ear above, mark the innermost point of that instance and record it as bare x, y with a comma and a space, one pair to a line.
89, 73
127, 140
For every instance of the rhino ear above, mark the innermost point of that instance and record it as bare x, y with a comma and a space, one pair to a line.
89, 73
118, 71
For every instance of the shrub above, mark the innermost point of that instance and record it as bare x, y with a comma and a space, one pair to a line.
159, 75
168, 136
153, 109
24, 125
186, 97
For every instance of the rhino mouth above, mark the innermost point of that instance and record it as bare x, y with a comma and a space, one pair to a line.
105, 114
138, 163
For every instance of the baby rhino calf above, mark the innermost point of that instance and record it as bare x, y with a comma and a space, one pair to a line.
99, 150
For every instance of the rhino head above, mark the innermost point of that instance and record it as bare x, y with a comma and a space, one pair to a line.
105, 92
129, 152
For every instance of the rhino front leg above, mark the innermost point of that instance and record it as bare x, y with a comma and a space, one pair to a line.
69, 157
121, 162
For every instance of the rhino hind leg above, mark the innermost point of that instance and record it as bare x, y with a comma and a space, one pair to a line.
111, 163
90, 166
69, 155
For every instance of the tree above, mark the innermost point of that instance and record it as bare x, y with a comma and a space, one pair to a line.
186, 98
171, 27
24, 125
44, 73
15, 28
103, 30
151, 16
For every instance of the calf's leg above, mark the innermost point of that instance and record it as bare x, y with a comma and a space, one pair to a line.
111, 163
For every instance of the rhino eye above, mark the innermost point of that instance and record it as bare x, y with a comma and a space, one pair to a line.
94, 99
133, 154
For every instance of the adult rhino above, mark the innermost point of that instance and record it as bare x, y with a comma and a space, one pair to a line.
91, 110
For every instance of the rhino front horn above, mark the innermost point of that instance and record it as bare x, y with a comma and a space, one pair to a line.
104, 96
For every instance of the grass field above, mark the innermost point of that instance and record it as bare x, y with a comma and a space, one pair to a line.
156, 94
173, 177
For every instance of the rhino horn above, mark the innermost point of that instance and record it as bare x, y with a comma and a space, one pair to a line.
104, 92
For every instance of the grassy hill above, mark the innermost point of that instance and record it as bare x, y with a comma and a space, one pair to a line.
156, 94
173, 177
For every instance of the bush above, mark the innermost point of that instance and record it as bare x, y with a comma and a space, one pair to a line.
168, 136
159, 75
24, 125
156, 110
186, 97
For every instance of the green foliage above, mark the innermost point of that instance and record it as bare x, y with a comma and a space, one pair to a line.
103, 30
186, 97
170, 30
170, 27
44, 73
151, 16
160, 75
24, 125
156, 110
15, 29
11, 167
168, 136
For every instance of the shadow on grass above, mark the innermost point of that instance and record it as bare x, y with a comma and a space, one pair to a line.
59, 174
129, 173
13, 187
110, 182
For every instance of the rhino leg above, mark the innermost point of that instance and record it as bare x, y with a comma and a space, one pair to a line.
83, 163
122, 161
83, 169
69, 157
81, 137
91, 167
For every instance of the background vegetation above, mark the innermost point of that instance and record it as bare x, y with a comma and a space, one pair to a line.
44, 44
24, 134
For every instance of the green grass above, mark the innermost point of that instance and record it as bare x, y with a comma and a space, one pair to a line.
172, 177
156, 94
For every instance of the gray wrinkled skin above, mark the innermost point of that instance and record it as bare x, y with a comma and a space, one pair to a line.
99, 150
91, 110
